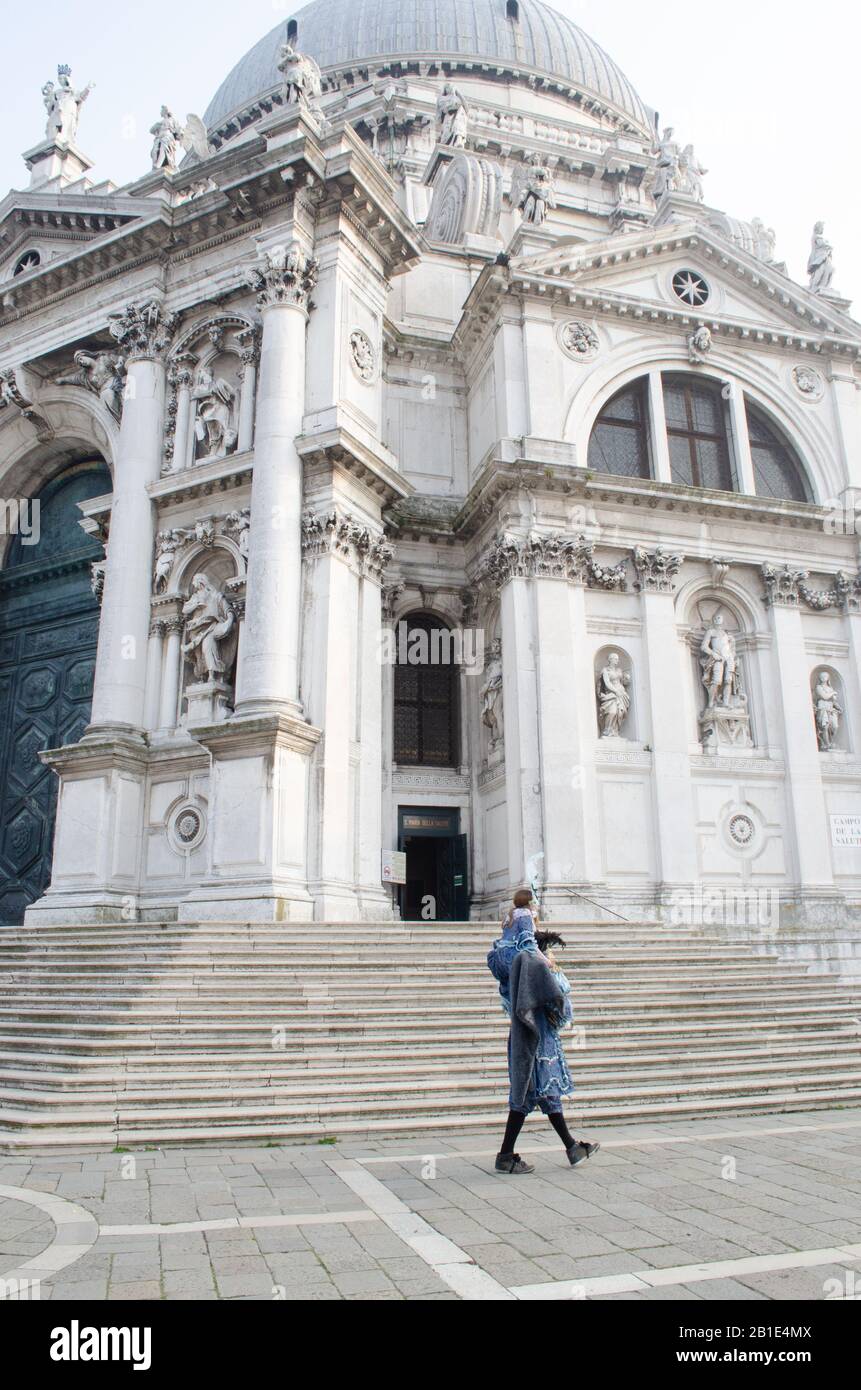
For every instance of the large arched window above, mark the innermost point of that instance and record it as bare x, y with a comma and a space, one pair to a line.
620, 439
702, 441
776, 466
697, 432
426, 726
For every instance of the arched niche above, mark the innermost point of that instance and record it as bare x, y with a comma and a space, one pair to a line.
830, 714
615, 703
721, 653
210, 614
212, 375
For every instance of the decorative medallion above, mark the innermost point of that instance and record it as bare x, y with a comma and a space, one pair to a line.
742, 830
578, 340
187, 827
690, 287
362, 355
808, 383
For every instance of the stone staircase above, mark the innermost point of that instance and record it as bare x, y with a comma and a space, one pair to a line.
152, 1034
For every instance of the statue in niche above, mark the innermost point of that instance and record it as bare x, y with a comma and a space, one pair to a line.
451, 117
101, 373
303, 81
820, 266
828, 712
209, 621
536, 193
491, 698
726, 718
238, 525
213, 425
614, 701
63, 105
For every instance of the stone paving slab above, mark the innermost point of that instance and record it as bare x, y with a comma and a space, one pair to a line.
399, 1219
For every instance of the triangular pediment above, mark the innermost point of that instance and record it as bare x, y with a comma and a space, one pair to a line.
43, 229
635, 272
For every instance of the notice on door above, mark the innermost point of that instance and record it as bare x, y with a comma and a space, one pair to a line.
846, 832
394, 866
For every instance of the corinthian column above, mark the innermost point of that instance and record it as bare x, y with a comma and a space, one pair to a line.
269, 679
144, 333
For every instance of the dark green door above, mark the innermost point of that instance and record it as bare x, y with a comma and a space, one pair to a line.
48, 633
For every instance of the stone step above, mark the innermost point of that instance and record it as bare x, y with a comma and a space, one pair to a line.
846, 1085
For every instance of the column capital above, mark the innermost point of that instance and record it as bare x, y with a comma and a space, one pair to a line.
849, 589
546, 556
144, 330
284, 275
339, 533
657, 570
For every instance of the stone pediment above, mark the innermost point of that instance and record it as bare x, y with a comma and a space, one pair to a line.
54, 226
680, 272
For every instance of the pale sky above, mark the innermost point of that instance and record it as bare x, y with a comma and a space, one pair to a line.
764, 89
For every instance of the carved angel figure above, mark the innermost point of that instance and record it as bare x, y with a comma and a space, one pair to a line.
169, 133
613, 698
101, 373
209, 620
302, 78
691, 174
63, 105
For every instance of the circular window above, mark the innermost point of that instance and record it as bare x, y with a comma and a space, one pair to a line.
187, 827
690, 287
28, 261
742, 830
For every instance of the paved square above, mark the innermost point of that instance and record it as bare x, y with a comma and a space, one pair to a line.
764, 1208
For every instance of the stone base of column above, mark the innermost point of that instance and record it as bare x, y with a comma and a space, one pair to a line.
257, 836
96, 864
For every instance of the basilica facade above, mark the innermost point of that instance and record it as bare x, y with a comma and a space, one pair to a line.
412, 462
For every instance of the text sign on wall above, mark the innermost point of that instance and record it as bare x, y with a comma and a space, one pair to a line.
846, 832
394, 866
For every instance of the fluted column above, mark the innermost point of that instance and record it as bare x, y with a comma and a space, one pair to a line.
171, 674
144, 333
270, 661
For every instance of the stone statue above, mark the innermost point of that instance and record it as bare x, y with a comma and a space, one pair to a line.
168, 132
237, 525
302, 78
720, 664
63, 105
820, 265
667, 174
699, 345
209, 620
690, 173
828, 712
537, 193
213, 425
167, 544
451, 115
614, 701
766, 241
491, 697
101, 373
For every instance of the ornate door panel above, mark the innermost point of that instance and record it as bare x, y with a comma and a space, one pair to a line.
48, 633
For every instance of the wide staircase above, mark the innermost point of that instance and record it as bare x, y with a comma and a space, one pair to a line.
150, 1034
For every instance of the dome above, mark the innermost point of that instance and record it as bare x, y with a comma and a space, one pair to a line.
342, 34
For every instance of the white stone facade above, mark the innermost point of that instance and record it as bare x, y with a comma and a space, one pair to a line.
350, 357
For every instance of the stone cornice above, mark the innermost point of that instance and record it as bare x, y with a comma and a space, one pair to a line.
373, 467
258, 733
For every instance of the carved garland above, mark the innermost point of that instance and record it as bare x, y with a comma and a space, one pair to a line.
788, 587
556, 556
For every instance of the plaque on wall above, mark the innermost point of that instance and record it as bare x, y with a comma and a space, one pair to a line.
846, 832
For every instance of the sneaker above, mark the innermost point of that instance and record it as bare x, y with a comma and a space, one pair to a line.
512, 1163
581, 1150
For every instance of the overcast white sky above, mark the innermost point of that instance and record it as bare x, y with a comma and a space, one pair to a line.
767, 90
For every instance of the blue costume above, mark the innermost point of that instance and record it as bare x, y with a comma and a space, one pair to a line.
551, 1079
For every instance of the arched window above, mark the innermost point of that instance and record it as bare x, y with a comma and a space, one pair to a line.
425, 714
28, 261
620, 439
512, 10
697, 433
777, 469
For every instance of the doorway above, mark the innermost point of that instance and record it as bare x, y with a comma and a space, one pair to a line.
436, 888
